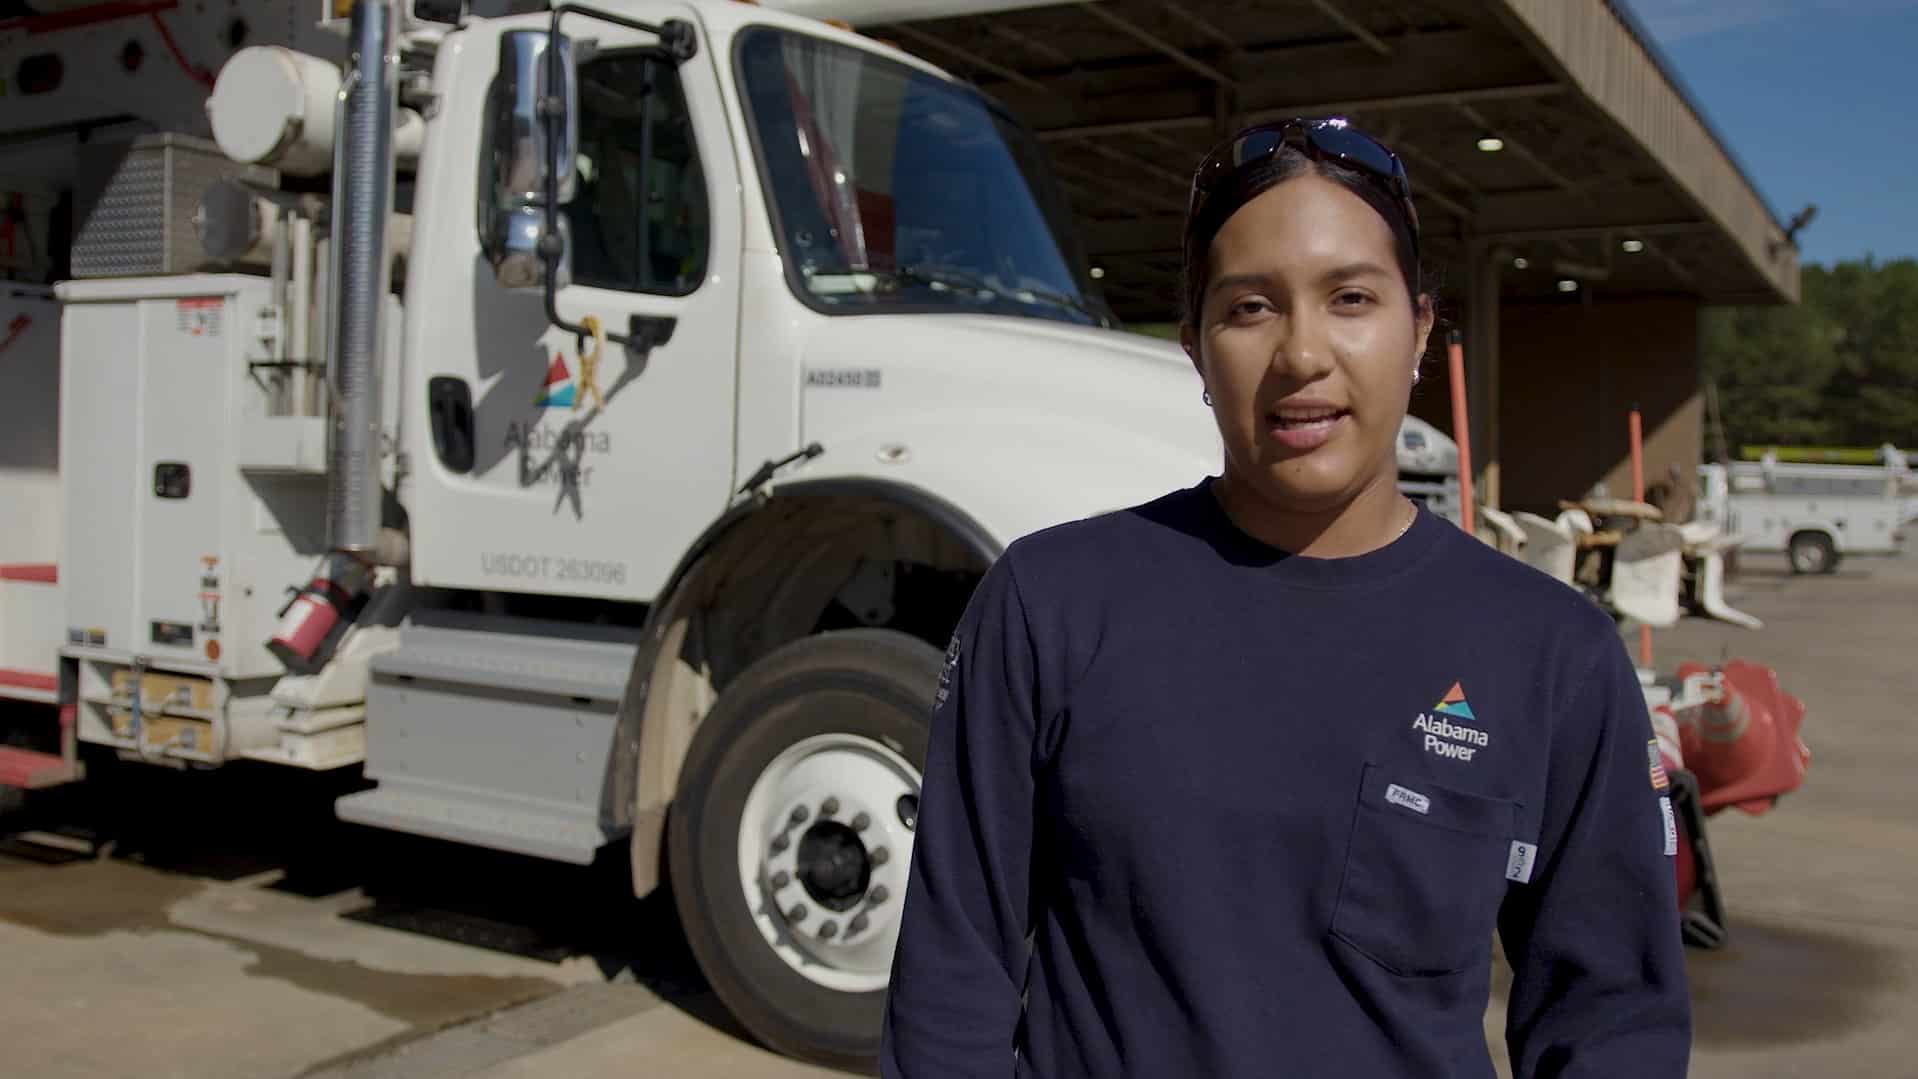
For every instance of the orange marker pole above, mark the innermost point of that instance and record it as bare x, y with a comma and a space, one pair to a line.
1461, 431
1638, 495
1638, 457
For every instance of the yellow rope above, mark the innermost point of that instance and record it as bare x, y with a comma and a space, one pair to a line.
589, 365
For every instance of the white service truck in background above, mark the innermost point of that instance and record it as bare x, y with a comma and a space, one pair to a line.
1816, 514
591, 423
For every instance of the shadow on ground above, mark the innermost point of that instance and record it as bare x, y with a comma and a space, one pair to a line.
1759, 990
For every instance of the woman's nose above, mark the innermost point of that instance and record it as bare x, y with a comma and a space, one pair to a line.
1305, 354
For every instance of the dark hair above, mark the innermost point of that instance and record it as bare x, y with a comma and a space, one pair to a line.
1256, 180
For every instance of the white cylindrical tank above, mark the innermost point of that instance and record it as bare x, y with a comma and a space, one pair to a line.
273, 106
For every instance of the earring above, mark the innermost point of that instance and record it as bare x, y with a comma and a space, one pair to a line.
1207, 397
1416, 375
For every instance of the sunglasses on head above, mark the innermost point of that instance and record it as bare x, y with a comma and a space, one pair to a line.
1333, 140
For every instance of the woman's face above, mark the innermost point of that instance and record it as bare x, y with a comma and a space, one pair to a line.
1307, 340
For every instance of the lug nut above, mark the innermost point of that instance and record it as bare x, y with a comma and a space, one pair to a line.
800, 814
879, 894
828, 931
880, 856
781, 879
829, 807
861, 823
780, 843
859, 924
798, 913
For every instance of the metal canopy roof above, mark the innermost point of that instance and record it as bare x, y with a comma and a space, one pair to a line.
1600, 145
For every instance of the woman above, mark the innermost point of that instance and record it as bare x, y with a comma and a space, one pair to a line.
1253, 772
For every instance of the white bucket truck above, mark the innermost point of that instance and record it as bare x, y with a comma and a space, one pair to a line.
598, 422
1815, 514
633, 412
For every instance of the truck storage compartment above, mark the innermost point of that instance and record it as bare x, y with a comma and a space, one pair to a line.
29, 424
29, 632
186, 553
497, 732
179, 716
30, 609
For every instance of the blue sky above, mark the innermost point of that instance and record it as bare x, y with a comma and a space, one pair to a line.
1819, 100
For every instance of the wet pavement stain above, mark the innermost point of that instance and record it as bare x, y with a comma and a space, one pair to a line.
95, 898
1775, 984
88, 899
422, 1001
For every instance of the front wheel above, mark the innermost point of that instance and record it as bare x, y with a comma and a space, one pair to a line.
791, 837
1812, 552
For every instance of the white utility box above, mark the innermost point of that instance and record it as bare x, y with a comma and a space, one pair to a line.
196, 492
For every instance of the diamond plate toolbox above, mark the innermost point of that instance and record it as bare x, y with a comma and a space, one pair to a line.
135, 203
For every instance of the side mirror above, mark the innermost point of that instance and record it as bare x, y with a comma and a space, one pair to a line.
535, 140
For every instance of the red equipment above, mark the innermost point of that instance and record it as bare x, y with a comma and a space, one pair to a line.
309, 621
1744, 747
311, 616
1733, 743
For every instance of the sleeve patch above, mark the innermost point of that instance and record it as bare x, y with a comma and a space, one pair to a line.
945, 673
1671, 826
1659, 779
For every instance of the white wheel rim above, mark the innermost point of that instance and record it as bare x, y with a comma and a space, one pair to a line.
850, 775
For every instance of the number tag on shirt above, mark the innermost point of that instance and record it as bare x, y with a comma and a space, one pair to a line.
1518, 867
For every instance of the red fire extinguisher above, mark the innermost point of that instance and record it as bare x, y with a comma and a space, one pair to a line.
310, 617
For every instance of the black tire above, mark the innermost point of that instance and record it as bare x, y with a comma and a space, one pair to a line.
875, 683
1812, 552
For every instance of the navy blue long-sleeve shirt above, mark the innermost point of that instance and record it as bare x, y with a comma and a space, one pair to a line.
1194, 807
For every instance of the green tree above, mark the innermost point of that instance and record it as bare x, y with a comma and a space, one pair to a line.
1838, 368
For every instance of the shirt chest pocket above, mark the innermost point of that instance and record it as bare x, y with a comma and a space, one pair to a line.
1424, 873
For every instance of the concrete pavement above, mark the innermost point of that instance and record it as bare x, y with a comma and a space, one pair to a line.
210, 944
1819, 973
112, 969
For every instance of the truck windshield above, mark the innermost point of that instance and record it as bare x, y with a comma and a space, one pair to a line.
894, 190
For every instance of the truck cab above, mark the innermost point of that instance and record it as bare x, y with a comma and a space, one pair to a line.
833, 243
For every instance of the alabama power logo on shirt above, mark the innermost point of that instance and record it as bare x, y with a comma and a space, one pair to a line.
1444, 738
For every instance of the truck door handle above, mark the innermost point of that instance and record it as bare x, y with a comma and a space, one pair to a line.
645, 332
449, 410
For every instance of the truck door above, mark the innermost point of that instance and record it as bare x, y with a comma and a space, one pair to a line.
589, 476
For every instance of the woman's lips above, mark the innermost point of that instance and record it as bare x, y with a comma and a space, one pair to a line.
1304, 430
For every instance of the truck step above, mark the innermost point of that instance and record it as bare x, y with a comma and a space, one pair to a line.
507, 824
499, 732
31, 770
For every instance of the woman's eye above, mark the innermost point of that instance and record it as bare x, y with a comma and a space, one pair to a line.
1351, 298
1244, 308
